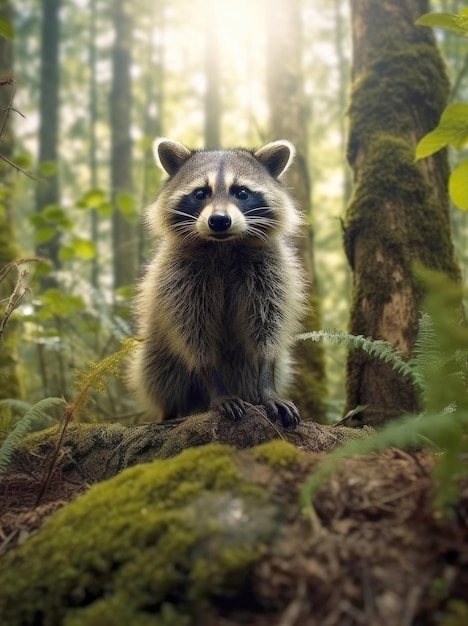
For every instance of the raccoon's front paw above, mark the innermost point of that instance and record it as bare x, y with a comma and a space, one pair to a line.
232, 408
284, 410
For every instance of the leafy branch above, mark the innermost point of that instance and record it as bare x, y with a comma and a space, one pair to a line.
453, 125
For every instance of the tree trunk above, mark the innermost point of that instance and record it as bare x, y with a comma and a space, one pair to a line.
343, 87
9, 380
212, 73
288, 120
124, 240
47, 191
152, 114
398, 216
93, 119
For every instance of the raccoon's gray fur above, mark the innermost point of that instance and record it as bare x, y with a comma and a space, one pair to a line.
221, 300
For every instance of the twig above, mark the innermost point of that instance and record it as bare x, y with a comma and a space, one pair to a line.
16, 297
19, 169
293, 611
6, 269
11, 82
68, 416
14, 300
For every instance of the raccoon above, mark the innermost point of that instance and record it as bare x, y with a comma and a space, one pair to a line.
221, 300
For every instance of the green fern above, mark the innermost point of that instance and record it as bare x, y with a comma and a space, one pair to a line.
439, 369
24, 425
378, 348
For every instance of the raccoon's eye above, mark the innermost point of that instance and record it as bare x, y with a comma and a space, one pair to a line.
201, 194
242, 193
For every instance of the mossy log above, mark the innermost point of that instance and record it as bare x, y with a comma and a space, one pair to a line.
215, 536
92, 453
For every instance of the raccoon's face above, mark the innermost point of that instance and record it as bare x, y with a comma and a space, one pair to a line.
223, 195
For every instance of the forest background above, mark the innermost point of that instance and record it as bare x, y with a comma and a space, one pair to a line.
95, 83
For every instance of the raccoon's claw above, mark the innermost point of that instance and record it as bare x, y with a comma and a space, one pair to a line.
284, 410
232, 408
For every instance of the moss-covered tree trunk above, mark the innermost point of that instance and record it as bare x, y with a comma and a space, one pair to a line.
9, 380
288, 120
398, 216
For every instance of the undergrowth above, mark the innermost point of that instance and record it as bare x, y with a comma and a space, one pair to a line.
94, 378
439, 370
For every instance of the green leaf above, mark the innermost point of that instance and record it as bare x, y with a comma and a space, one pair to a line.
92, 198
432, 142
53, 213
47, 169
6, 29
66, 223
450, 21
44, 234
126, 292
458, 186
105, 209
84, 248
126, 204
66, 253
24, 161
452, 129
37, 220
60, 304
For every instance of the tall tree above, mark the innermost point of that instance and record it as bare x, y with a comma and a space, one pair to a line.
9, 380
399, 213
288, 120
124, 241
47, 191
152, 110
212, 73
93, 119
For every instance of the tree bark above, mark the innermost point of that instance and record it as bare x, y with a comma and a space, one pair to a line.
9, 379
47, 191
398, 216
123, 231
288, 120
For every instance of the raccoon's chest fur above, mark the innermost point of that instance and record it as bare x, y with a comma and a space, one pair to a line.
236, 287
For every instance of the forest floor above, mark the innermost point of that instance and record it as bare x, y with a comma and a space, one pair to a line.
376, 550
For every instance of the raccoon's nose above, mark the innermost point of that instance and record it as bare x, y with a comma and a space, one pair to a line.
219, 221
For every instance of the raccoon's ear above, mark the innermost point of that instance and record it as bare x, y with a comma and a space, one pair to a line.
276, 156
170, 155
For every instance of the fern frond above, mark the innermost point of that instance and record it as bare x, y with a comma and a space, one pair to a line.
426, 348
14, 438
378, 348
98, 372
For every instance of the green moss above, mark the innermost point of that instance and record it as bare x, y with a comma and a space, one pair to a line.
278, 453
147, 547
457, 614
394, 220
390, 177
398, 83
